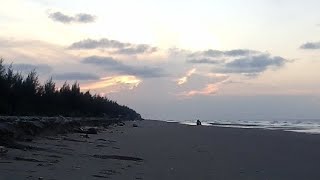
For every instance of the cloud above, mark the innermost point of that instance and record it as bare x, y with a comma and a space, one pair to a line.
114, 65
204, 61
114, 46
78, 18
218, 53
85, 18
26, 68
242, 61
211, 85
178, 52
103, 61
33, 52
102, 43
114, 83
310, 45
211, 53
75, 76
217, 57
138, 49
240, 52
252, 64
185, 78
216, 75
210, 89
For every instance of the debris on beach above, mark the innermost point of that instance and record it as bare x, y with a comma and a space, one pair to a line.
84, 136
99, 176
28, 159
117, 157
73, 140
92, 131
86, 131
3, 150
121, 124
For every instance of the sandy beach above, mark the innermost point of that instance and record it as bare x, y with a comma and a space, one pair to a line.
160, 150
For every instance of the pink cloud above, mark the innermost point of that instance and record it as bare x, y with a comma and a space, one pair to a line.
210, 89
113, 84
185, 78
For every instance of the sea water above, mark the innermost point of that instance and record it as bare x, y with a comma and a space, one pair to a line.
296, 125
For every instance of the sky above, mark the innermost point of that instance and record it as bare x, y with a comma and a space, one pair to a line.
175, 60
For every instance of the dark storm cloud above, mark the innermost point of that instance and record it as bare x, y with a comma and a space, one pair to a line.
114, 65
78, 18
117, 47
252, 64
75, 76
310, 45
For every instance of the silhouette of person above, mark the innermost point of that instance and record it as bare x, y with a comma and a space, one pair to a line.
198, 122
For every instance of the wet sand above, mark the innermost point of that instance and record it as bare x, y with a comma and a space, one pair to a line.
160, 150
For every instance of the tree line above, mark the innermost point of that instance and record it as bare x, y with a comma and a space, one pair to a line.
26, 96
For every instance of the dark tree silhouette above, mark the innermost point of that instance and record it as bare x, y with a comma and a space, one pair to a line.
26, 96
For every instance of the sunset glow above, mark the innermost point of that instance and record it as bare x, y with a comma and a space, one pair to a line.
114, 83
208, 51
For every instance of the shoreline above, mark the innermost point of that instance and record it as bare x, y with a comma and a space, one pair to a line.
151, 149
300, 126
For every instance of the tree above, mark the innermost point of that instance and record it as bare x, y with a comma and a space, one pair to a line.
26, 96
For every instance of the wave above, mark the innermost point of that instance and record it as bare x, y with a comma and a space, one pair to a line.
311, 126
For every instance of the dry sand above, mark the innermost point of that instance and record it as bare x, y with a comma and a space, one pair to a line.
160, 150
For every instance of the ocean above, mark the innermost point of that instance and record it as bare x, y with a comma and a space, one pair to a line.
311, 126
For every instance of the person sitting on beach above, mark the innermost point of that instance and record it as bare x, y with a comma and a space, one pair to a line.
198, 122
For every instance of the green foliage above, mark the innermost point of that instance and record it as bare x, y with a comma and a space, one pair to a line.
26, 96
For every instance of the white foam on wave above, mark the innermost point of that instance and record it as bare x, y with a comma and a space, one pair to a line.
302, 126
308, 131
